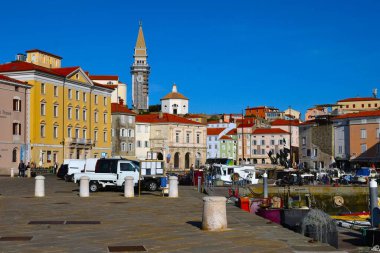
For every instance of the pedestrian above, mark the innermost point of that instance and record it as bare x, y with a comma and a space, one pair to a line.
28, 167
55, 167
21, 169
192, 174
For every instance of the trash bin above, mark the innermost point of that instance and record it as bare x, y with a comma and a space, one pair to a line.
164, 182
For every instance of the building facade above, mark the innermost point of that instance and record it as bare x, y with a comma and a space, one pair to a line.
181, 142
123, 130
316, 143
142, 140
14, 120
357, 139
350, 105
119, 89
175, 103
140, 74
70, 114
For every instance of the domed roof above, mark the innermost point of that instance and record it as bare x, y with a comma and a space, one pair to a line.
174, 94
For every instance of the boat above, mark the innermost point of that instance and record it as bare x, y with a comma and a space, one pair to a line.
230, 173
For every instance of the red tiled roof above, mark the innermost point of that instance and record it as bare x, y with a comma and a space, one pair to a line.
37, 50
213, 122
115, 107
375, 113
65, 71
166, 118
224, 137
5, 78
359, 99
193, 116
269, 131
308, 122
283, 122
232, 132
214, 131
17, 66
245, 125
174, 95
104, 86
104, 77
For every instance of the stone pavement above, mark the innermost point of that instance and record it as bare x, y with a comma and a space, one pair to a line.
156, 223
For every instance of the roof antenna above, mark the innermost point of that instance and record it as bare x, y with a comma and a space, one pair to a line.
140, 22
374, 92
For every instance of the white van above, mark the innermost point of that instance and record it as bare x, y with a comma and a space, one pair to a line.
74, 166
90, 165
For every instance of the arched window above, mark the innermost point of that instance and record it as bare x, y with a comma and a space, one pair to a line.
123, 147
14, 155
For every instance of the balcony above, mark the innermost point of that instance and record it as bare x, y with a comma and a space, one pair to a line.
78, 141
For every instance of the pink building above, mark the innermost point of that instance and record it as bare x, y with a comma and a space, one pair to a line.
14, 122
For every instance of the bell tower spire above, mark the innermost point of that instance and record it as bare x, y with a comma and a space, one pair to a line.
140, 74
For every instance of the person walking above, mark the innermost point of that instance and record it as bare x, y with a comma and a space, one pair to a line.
21, 169
55, 167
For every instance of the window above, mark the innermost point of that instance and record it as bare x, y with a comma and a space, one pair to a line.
112, 132
14, 155
104, 136
84, 97
353, 106
216, 146
280, 142
209, 146
209, 138
43, 109
303, 140
77, 133
254, 142
43, 88
42, 131
315, 152
378, 133
139, 144
104, 101
16, 105
362, 105
55, 110
263, 151
69, 113
126, 166
122, 130
176, 137
130, 119
55, 132
77, 95
308, 152
340, 150
254, 151
55, 91
105, 118
130, 133
130, 146
363, 133
16, 129
84, 114
146, 144
363, 147
187, 137
123, 147
95, 135
271, 142
96, 99
198, 138
70, 94
84, 133
262, 142
77, 113
69, 132
96, 117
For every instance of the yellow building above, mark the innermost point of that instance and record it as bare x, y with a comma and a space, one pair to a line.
70, 115
350, 105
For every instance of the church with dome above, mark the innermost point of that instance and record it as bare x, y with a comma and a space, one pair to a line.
175, 102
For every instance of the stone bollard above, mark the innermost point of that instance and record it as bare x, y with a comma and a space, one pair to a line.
373, 200
214, 213
173, 187
39, 190
129, 191
29, 173
199, 184
84, 190
12, 172
265, 185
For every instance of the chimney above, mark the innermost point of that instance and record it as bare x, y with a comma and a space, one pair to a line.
160, 115
121, 101
174, 89
20, 57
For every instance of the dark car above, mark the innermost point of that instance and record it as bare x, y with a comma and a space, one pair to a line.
62, 171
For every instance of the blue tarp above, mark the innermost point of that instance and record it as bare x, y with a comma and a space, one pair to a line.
364, 172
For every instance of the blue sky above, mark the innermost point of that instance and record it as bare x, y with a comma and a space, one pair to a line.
223, 55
